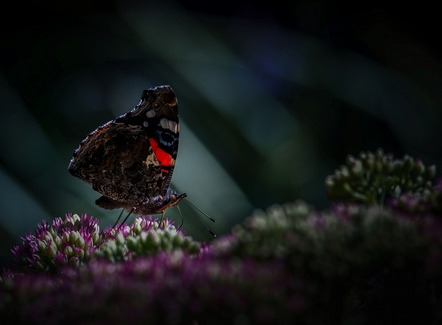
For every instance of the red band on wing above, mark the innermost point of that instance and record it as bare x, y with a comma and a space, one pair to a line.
163, 157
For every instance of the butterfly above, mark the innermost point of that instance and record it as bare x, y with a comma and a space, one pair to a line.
130, 160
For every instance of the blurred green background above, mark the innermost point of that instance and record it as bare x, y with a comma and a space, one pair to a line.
272, 97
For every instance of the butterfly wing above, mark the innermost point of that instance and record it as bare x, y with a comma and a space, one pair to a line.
131, 159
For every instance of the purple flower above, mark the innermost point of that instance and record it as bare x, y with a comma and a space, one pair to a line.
169, 288
76, 240
144, 237
69, 241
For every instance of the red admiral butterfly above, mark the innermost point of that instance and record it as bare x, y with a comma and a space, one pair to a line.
130, 160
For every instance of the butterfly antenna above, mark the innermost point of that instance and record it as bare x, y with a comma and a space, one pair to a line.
182, 219
192, 206
196, 207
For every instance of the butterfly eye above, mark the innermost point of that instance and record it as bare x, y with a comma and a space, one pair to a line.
156, 105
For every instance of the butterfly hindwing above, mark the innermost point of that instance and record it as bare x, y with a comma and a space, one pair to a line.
130, 160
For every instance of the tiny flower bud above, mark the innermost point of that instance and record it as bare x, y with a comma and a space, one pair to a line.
132, 243
68, 251
153, 240
119, 238
74, 236
41, 245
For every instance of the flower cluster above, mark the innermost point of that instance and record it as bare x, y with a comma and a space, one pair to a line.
169, 288
335, 244
372, 178
371, 263
144, 237
428, 202
69, 241
424, 210
76, 240
352, 254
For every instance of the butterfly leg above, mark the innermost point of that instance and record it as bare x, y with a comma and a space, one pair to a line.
162, 219
130, 212
182, 219
119, 217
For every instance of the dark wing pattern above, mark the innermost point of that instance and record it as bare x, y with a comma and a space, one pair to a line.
131, 159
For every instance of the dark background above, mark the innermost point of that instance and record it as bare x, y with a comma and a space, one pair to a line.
272, 97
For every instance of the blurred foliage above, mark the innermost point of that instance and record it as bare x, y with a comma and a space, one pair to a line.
271, 97
368, 264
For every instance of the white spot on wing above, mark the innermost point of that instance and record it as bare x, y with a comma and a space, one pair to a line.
169, 125
173, 126
164, 123
151, 113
